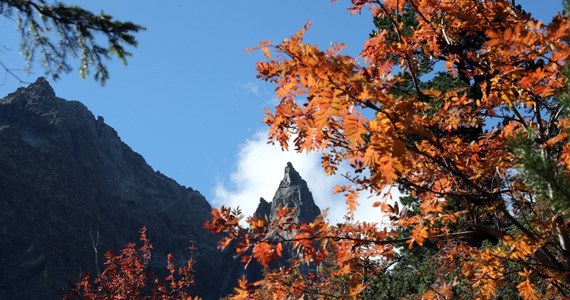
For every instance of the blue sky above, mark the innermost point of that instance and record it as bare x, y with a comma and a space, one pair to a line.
189, 101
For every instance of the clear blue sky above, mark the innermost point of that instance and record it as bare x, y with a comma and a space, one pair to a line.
188, 101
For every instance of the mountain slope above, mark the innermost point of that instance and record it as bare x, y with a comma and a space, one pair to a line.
66, 178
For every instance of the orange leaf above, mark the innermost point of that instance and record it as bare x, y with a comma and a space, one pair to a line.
262, 252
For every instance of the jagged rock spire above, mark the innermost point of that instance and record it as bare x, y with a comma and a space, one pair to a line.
291, 177
263, 209
293, 192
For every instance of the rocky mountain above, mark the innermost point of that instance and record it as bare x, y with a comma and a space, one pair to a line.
70, 189
67, 183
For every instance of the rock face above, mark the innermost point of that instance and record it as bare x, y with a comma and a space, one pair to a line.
68, 183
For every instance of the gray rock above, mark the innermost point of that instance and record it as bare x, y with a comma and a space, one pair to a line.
263, 209
294, 193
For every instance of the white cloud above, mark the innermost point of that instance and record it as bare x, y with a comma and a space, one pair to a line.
253, 88
259, 169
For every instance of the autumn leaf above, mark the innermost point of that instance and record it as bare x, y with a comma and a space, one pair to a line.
263, 252
525, 288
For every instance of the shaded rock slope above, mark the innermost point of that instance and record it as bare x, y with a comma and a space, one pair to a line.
66, 177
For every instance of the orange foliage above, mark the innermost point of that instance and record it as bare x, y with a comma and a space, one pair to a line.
448, 148
126, 276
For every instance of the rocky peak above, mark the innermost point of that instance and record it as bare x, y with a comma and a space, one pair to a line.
39, 90
294, 193
291, 177
37, 93
263, 209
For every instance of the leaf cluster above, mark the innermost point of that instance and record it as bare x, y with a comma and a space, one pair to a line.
126, 276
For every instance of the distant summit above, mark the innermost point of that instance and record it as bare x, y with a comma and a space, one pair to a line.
294, 193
